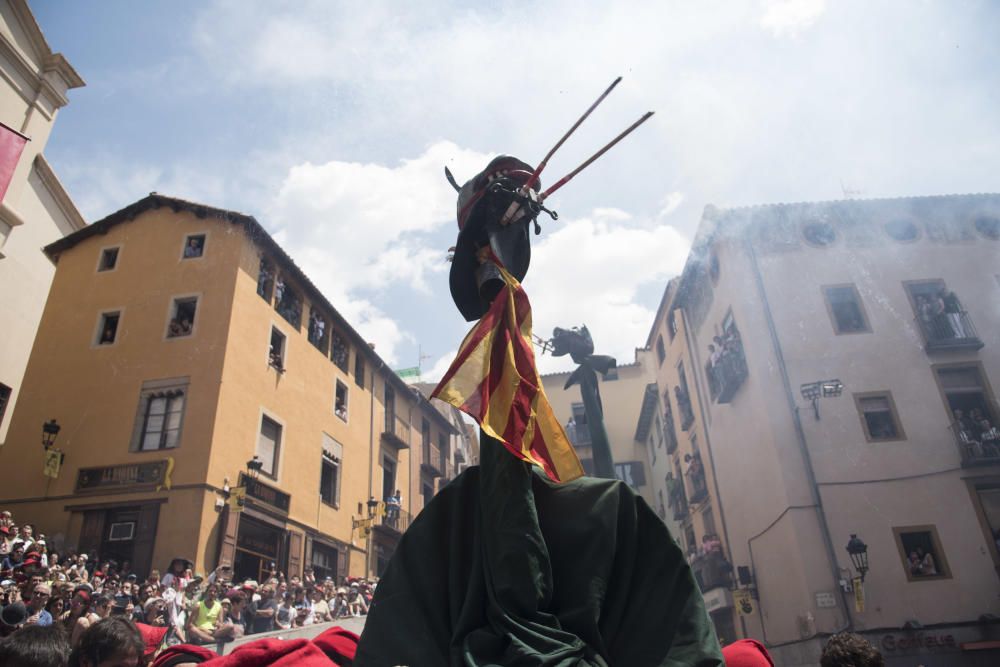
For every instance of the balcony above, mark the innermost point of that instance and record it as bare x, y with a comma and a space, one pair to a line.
727, 375
684, 404
678, 501
699, 487
432, 463
977, 447
669, 434
712, 570
397, 432
391, 520
949, 332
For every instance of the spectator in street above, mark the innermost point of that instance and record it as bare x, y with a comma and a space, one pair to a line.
847, 649
206, 623
102, 609
111, 642
37, 646
285, 614
237, 616
78, 606
37, 614
14, 560
321, 610
264, 610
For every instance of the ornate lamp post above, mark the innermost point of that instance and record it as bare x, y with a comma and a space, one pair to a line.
50, 431
254, 467
859, 555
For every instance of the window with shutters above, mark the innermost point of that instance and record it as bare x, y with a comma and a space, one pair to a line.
160, 415
329, 484
878, 416
269, 445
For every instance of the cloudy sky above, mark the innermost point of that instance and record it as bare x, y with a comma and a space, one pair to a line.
331, 123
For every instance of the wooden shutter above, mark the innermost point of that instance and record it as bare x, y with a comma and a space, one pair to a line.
92, 531
227, 536
145, 536
307, 560
294, 554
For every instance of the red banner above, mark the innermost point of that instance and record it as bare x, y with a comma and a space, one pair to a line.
11, 145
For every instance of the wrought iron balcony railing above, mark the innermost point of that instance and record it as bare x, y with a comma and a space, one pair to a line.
949, 331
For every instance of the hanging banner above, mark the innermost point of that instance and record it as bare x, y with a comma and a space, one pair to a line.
53, 462
237, 498
859, 595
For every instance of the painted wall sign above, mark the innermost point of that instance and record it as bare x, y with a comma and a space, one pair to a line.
128, 475
919, 640
258, 490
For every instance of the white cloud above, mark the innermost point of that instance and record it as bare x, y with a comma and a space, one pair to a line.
589, 270
358, 228
789, 17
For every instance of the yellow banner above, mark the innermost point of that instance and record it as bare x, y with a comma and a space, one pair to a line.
53, 462
859, 594
237, 498
743, 601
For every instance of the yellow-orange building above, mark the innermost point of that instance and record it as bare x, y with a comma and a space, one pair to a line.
179, 341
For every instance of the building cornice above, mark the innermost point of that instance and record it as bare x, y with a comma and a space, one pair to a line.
50, 61
58, 192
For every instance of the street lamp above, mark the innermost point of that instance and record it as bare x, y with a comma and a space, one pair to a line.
254, 467
372, 507
859, 555
50, 431
813, 391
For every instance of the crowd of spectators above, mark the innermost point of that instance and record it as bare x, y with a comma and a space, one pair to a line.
73, 593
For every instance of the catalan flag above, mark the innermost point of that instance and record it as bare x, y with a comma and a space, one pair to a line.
494, 380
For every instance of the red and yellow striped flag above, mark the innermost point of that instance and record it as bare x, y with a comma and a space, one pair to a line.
494, 380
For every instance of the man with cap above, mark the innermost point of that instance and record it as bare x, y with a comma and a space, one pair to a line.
37, 615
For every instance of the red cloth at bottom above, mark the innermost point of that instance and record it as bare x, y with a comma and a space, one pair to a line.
747, 653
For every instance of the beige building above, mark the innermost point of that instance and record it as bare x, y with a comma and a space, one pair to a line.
179, 342
622, 391
36, 209
849, 392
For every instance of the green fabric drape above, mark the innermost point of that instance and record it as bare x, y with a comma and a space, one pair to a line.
504, 567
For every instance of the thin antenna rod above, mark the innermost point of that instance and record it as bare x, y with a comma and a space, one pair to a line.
568, 177
545, 160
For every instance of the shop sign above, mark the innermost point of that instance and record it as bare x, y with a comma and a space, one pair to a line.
826, 600
128, 475
257, 544
269, 495
718, 598
917, 641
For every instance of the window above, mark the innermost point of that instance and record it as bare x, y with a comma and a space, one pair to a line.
182, 314
443, 449
338, 351
108, 260
161, 426
965, 392
661, 352
122, 531
844, 306
819, 234
276, 350
388, 476
902, 230
329, 483
269, 445
921, 552
878, 416
988, 496
107, 328
194, 246
359, 370
265, 280
672, 324
317, 330
287, 302
340, 401
5, 392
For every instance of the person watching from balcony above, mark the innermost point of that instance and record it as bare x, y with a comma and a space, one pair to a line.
953, 312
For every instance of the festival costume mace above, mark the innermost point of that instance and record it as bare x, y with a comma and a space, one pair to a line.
507, 566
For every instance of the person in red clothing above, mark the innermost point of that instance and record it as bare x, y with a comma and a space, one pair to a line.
747, 653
